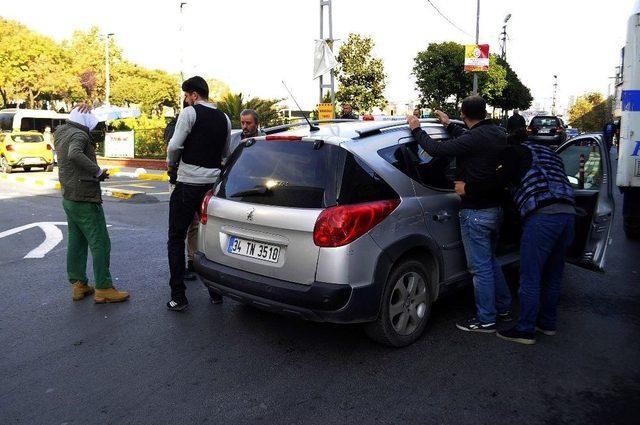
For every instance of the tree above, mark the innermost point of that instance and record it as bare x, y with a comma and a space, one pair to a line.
32, 65
443, 83
233, 104
515, 94
87, 48
360, 75
440, 75
217, 89
150, 89
590, 112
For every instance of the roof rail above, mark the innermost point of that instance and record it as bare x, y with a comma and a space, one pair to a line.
302, 123
376, 129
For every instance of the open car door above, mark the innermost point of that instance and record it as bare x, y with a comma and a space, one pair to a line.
588, 167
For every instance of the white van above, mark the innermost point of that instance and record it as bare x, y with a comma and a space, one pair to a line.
14, 120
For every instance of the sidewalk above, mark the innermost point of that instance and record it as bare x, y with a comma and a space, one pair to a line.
50, 180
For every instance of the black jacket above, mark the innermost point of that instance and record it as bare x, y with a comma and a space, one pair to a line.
476, 151
513, 163
515, 122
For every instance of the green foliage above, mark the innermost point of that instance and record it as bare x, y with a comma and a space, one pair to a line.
148, 133
32, 66
361, 77
440, 75
443, 83
151, 90
515, 94
233, 104
36, 68
590, 112
217, 89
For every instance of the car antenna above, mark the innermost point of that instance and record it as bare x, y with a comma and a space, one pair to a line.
311, 126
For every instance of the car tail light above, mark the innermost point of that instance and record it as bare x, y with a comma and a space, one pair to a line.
276, 138
529, 130
338, 226
559, 129
9, 148
204, 205
49, 148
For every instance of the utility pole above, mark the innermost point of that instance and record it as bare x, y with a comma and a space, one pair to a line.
107, 76
555, 93
181, 47
503, 38
327, 4
475, 74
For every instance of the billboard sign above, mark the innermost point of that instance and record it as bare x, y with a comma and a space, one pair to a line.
119, 144
476, 57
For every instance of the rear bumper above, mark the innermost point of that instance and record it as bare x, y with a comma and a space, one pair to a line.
554, 140
19, 161
320, 301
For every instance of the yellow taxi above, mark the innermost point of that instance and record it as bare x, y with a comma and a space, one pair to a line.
26, 150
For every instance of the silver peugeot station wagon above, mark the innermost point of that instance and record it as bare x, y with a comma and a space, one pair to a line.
352, 222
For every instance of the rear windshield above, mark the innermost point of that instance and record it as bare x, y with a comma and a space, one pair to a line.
300, 175
290, 174
27, 138
545, 121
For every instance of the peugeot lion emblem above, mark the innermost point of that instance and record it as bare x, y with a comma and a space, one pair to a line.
250, 214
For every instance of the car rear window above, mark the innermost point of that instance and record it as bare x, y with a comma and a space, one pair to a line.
292, 174
27, 138
544, 121
300, 175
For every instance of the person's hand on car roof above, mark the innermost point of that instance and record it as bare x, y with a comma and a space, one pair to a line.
413, 122
442, 117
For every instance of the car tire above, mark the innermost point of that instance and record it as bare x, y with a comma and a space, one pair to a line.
405, 307
49, 168
4, 165
26, 169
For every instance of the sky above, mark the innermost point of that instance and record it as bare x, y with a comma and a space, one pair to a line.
253, 45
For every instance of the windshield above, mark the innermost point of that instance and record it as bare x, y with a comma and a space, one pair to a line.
282, 173
27, 138
544, 121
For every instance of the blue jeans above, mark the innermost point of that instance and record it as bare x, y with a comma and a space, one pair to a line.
545, 239
480, 230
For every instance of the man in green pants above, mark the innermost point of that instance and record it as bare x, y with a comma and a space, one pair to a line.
80, 178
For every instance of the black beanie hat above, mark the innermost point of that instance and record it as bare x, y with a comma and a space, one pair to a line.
196, 84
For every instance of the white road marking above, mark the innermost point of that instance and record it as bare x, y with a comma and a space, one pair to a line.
53, 236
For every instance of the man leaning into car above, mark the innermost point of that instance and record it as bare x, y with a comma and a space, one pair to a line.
477, 151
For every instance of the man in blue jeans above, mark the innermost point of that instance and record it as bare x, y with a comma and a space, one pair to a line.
477, 151
544, 198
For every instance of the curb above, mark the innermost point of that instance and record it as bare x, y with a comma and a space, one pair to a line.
120, 193
45, 183
52, 184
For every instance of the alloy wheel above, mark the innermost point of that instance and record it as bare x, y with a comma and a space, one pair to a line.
408, 305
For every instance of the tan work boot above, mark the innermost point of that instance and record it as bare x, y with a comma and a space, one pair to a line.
80, 290
111, 295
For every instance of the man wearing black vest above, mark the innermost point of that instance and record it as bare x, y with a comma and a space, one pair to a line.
199, 143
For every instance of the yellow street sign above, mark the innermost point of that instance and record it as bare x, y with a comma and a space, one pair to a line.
325, 111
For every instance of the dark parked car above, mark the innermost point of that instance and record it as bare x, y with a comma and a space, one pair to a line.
547, 129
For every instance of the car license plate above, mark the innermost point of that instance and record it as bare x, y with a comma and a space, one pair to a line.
31, 161
253, 249
544, 131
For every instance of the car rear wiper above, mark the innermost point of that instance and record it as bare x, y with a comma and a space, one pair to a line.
256, 191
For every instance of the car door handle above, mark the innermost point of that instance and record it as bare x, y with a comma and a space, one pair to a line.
442, 216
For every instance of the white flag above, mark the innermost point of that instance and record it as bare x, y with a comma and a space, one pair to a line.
323, 59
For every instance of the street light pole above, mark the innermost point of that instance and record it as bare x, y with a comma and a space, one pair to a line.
475, 74
181, 47
503, 38
107, 77
555, 92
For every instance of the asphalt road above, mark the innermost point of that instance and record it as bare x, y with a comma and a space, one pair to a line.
137, 363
